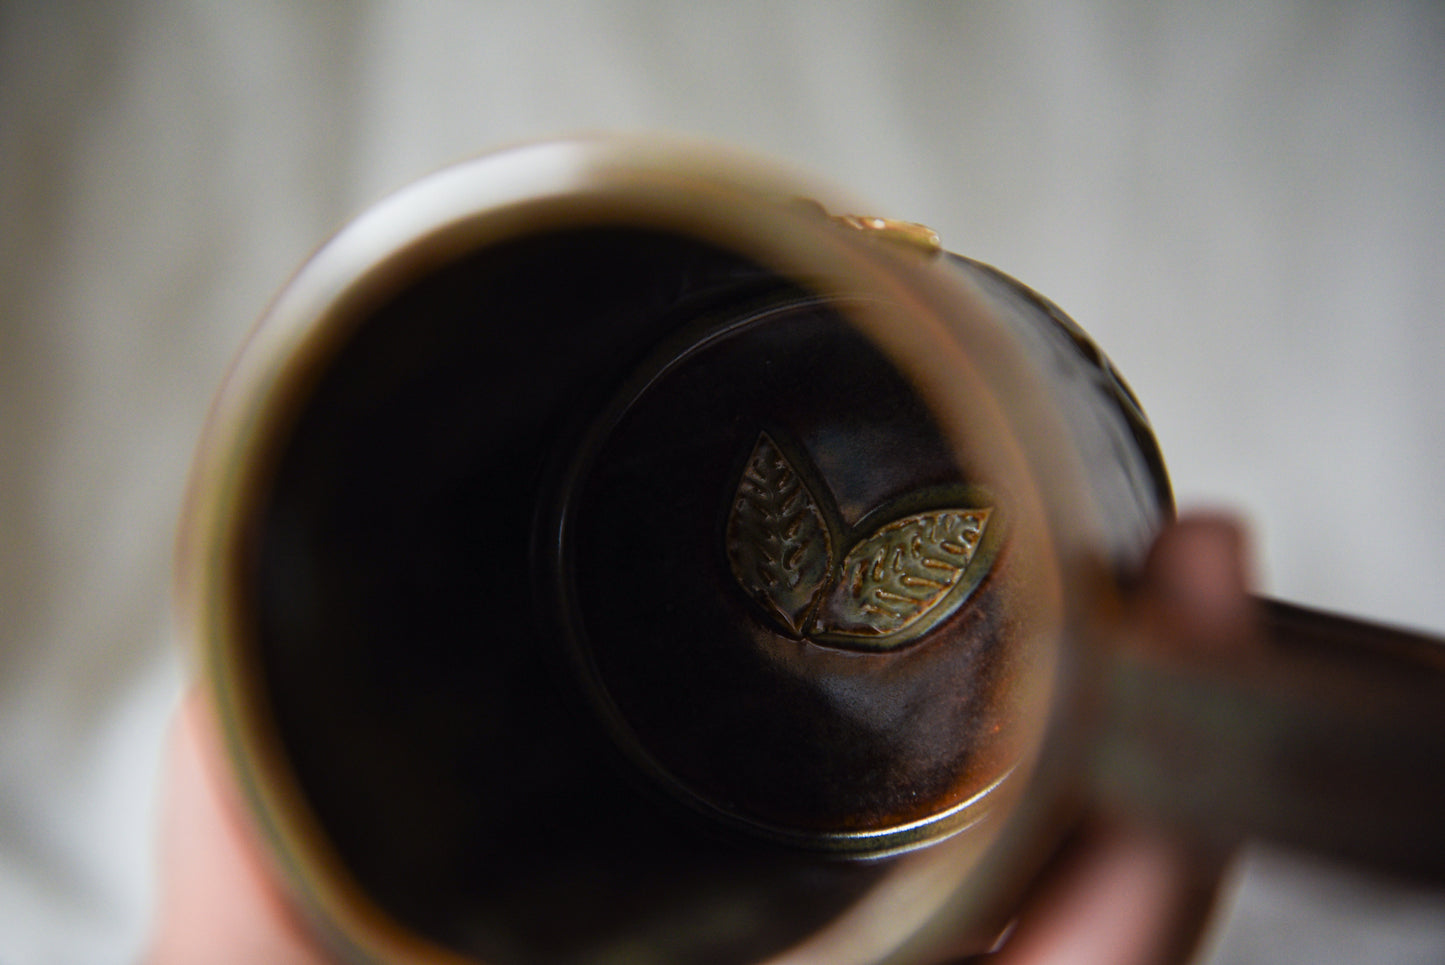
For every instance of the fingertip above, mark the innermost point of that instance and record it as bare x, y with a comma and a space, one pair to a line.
1198, 571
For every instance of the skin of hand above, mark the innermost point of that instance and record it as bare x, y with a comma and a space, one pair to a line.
220, 903
1121, 893
1116, 894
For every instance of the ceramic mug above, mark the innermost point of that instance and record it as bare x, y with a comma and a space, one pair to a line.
631, 528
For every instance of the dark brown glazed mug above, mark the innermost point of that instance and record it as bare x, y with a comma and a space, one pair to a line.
627, 532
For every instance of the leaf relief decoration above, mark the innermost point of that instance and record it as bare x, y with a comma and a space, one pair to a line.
894, 584
777, 538
893, 579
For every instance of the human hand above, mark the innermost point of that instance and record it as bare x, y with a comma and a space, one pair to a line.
1121, 893
220, 903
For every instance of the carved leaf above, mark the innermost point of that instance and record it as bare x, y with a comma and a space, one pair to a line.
777, 541
896, 577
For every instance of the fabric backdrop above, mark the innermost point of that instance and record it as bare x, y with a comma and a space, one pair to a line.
1244, 203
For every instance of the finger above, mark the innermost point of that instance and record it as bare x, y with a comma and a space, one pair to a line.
218, 901
1121, 892
1195, 586
1118, 895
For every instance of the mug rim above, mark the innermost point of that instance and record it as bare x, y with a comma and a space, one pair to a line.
692, 188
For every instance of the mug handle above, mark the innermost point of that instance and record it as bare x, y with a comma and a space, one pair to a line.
1326, 735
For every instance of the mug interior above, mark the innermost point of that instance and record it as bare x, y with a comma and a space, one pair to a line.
464, 554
